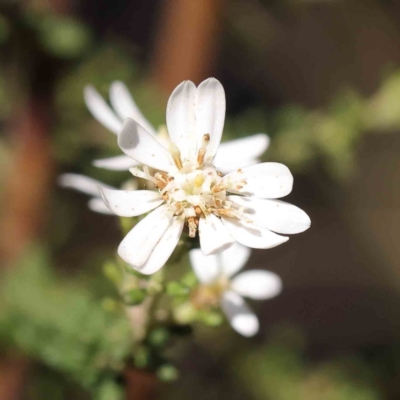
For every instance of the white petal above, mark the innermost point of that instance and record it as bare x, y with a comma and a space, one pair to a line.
96, 204
137, 143
214, 237
130, 203
252, 236
130, 184
139, 243
164, 248
241, 318
235, 164
118, 163
234, 259
265, 180
240, 153
206, 268
210, 114
257, 284
123, 103
101, 110
181, 120
274, 215
81, 183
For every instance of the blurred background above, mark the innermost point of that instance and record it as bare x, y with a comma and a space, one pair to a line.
321, 77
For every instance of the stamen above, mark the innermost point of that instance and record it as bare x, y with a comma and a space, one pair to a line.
198, 211
176, 155
161, 179
192, 226
203, 148
204, 209
145, 174
218, 188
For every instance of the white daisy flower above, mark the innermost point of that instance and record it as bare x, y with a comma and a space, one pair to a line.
220, 285
231, 155
239, 206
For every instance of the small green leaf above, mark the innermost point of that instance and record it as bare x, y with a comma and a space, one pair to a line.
158, 337
167, 373
134, 297
64, 37
177, 289
189, 280
112, 272
142, 357
212, 318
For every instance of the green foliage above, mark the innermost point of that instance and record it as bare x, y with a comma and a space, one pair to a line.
211, 318
59, 35
159, 337
279, 372
134, 297
61, 324
167, 373
301, 137
177, 289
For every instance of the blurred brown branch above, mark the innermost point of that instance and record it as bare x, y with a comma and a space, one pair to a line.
186, 42
28, 185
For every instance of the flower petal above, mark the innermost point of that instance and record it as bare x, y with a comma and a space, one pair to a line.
139, 243
206, 268
96, 204
123, 103
130, 203
265, 180
257, 284
164, 248
137, 143
274, 215
241, 318
81, 183
252, 236
181, 120
101, 110
210, 114
234, 259
240, 153
214, 237
118, 163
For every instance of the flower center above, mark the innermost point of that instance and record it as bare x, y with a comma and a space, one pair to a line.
207, 296
192, 190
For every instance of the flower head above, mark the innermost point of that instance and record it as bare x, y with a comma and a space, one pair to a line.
231, 155
221, 285
239, 206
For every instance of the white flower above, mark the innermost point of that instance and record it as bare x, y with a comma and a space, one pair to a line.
231, 155
236, 207
221, 286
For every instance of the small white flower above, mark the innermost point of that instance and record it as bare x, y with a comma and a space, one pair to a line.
219, 285
223, 209
231, 155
